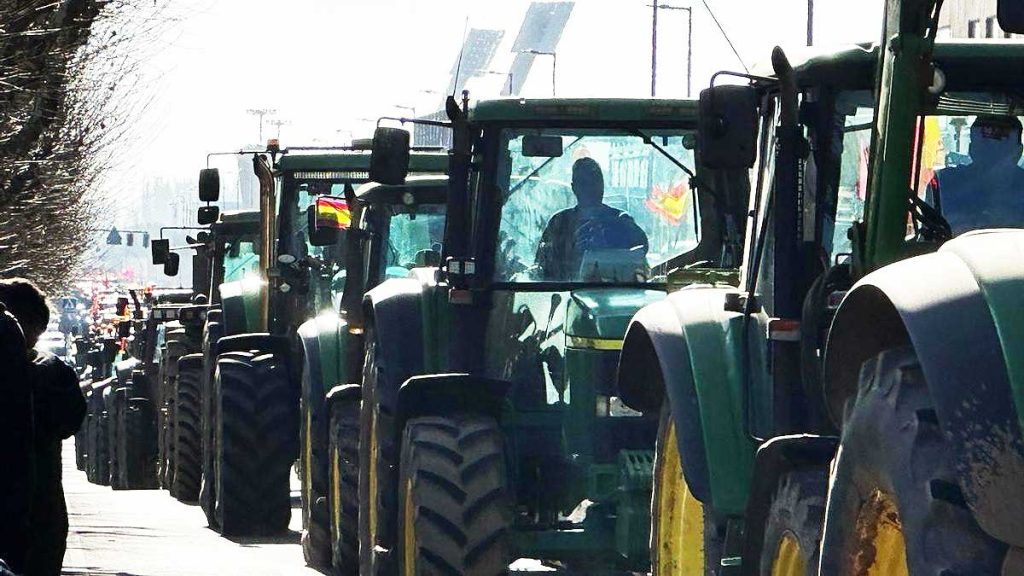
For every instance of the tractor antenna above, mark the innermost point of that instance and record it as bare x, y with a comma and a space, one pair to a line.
726, 36
458, 65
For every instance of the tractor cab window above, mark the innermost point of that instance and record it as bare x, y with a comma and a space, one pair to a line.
854, 120
969, 161
413, 240
241, 259
590, 206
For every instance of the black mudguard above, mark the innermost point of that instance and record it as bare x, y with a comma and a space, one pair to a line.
262, 342
394, 310
775, 458
936, 304
344, 393
439, 394
654, 367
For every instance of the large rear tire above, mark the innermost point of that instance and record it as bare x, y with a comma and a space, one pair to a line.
894, 504
455, 514
116, 402
344, 487
316, 517
102, 443
188, 463
256, 443
686, 538
207, 491
378, 462
139, 464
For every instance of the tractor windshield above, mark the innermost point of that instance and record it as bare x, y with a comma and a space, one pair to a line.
241, 259
969, 151
590, 206
413, 239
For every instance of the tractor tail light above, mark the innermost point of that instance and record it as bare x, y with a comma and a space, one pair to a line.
783, 330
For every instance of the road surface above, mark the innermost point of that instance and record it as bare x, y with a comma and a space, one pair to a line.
148, 533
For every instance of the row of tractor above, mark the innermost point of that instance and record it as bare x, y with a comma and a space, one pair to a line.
774, 331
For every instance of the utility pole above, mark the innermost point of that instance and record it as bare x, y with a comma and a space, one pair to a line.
810, 22
261, 112
554, 67
689, 46
278, 123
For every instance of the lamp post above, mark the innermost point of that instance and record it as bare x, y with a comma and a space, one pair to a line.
507, 91
278, 123
689, 46
261, 112
554, 66
810, 22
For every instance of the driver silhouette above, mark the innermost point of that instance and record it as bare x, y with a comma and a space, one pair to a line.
590, 225
988, 192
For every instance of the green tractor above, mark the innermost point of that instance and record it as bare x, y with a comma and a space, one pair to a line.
491, 427
853, 407
397, 230
219, 252
253, 352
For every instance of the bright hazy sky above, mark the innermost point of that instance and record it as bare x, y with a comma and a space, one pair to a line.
327, 65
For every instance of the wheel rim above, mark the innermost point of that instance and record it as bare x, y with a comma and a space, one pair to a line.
678, 516
372, 477
409, 532
788, 558
880, 548
335, 492
307, 453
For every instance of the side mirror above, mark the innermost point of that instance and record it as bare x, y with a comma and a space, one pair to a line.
389, 158
171, 264
207, 215
124, 329
535, 146
1011, 16
209, 185
328, 216
122, 306
160, 249
727, 127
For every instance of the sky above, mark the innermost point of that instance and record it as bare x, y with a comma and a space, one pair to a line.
331, 67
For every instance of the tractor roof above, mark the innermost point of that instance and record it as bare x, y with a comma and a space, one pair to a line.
358, 161
975, 64
577, 110
238, 222
424, 190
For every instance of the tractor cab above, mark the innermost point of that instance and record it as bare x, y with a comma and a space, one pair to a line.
564, 218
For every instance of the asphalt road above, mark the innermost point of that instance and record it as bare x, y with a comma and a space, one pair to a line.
148, 533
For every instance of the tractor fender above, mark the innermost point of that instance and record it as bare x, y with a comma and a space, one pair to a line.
654, 352
688, 349
261, 342
394, 310
240, 305
959, 308
437, 394
324, 342
344, 393
775, 458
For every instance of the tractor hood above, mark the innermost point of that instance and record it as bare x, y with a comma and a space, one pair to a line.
605, 313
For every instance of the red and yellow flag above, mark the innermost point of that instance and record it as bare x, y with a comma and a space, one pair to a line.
333, 213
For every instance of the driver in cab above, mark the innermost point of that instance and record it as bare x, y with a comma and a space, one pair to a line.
988, 192
589, 226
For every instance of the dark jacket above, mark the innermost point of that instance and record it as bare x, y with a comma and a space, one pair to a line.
573, 232
16, 451
59, 409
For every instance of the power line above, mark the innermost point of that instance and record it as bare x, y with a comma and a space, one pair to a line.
726, 36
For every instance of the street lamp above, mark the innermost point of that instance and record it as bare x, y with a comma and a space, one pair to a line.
278, 123
554, 65
654, 46
261, 112
508, 77
409, 108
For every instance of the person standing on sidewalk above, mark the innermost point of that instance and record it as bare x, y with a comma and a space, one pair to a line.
58, 408
16, 445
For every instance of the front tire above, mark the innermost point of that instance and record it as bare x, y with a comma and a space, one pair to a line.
685, 537
895, 506
187, 472
344, 487
316, 517
792, 533
378, 460
455, 506
256, 437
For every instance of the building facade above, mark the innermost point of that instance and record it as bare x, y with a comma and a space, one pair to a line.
970, 19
